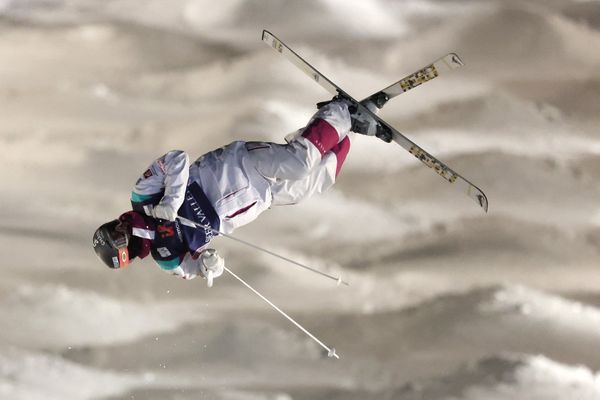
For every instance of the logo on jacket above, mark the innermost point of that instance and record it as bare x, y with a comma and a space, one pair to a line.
200, 216
165, 231
164, 252
168, 230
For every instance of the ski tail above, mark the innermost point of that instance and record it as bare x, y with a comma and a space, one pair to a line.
299, 62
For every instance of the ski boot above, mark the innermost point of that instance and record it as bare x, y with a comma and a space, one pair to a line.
362, 121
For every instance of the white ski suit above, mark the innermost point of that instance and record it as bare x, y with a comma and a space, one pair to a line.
243, 179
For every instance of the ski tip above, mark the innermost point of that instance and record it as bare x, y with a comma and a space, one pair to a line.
454, 60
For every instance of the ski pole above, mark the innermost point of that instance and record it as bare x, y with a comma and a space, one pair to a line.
193, 224
330, 351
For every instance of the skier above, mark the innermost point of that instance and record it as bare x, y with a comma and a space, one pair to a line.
223, 190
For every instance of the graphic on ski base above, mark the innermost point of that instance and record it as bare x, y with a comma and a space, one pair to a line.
370, 105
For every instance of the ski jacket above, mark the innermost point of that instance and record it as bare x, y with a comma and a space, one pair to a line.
231, 186
221, 189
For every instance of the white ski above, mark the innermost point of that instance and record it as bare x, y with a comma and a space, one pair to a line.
391, 133
450, 61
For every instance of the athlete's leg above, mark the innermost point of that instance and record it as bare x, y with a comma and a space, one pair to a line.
320, 179
296, 160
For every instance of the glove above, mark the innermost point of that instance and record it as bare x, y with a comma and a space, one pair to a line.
212, 265
160, 211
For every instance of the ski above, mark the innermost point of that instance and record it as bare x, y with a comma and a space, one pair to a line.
391, 134
431, 71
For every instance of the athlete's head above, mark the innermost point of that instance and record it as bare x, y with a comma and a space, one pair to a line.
110, 243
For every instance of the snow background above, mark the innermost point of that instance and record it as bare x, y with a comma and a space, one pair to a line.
445, 302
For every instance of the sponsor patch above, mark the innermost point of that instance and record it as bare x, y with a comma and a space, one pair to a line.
147, 173
161, 165
163, 251
115, 261
165, 231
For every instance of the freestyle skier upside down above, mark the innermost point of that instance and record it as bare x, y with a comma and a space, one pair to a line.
177, 208
223, 190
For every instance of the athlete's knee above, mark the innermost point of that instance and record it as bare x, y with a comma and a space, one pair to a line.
292, 161
303, 158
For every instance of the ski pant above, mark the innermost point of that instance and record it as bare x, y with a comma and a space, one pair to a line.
311, 162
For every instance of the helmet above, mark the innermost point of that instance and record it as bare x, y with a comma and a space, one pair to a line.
110, 244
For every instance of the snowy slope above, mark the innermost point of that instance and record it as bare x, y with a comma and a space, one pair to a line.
510, 377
